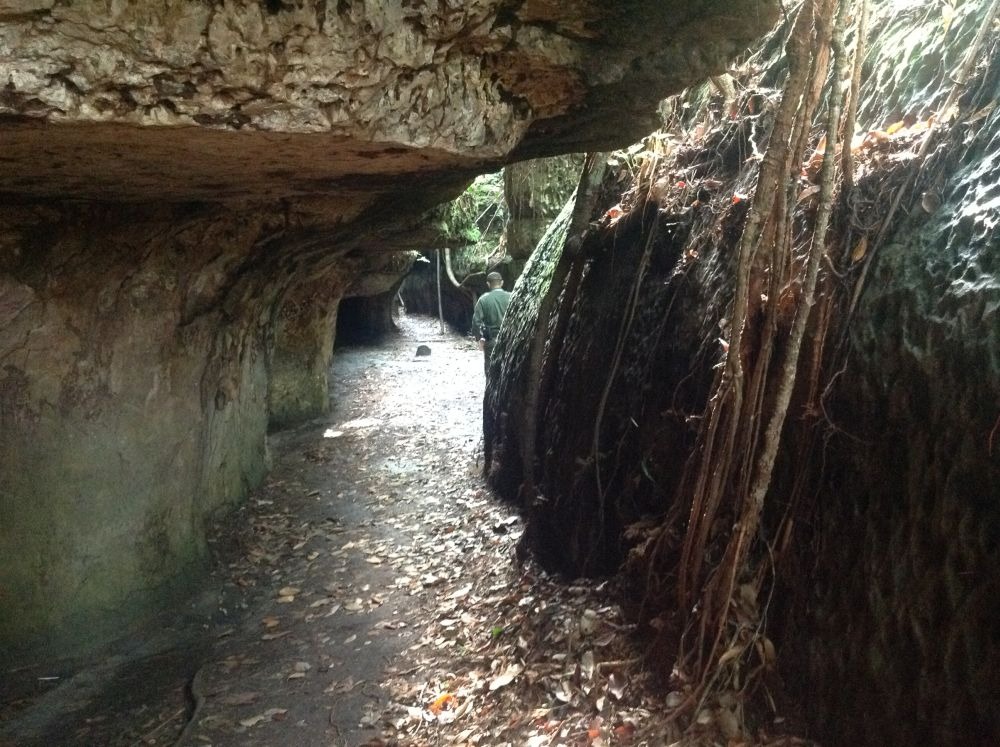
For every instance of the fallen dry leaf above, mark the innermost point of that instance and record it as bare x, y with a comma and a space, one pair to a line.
616, 685
506, 677
442, 702
564, 692
271, 714
239, 699
930, 201
588, 622
860, 249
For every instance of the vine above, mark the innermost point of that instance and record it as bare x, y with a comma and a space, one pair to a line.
729, 475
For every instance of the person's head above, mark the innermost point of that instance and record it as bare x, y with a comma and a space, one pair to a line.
494, 280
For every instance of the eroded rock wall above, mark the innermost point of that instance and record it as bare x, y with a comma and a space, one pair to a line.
146, 349
132, 406
302, 349
377, 88
367, 311
578, 522
903, 599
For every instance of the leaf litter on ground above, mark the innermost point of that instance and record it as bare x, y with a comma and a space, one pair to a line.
376, 598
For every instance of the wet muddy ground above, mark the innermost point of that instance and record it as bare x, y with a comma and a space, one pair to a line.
367, 594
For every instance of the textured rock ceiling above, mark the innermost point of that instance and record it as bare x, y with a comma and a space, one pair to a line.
133, 162
238, 100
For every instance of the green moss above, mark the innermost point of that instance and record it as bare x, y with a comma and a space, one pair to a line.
473, 223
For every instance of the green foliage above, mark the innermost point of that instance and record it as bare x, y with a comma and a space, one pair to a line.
473, 223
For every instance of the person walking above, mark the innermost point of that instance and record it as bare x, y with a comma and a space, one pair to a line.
488, 315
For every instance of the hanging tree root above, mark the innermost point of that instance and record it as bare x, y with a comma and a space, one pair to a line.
722, 642
719, 445
717, 549
753, 500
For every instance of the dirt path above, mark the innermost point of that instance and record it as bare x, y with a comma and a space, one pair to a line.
374, 598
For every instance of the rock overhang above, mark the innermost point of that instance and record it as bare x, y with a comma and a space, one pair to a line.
226, 101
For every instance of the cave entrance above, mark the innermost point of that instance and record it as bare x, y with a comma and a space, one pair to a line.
367, 319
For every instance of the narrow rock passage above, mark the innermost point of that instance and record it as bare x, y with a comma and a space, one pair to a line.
375, 599
365, 530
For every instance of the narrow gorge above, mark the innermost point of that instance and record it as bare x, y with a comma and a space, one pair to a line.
190, 189
748, 384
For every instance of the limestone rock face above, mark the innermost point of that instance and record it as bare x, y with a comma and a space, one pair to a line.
186, 192
320, 91
132, 407
906, 587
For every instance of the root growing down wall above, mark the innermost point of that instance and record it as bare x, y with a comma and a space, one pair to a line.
883, 603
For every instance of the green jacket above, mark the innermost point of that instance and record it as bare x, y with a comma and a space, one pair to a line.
489, 312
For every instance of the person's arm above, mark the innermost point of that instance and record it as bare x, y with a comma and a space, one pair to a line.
477, 324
